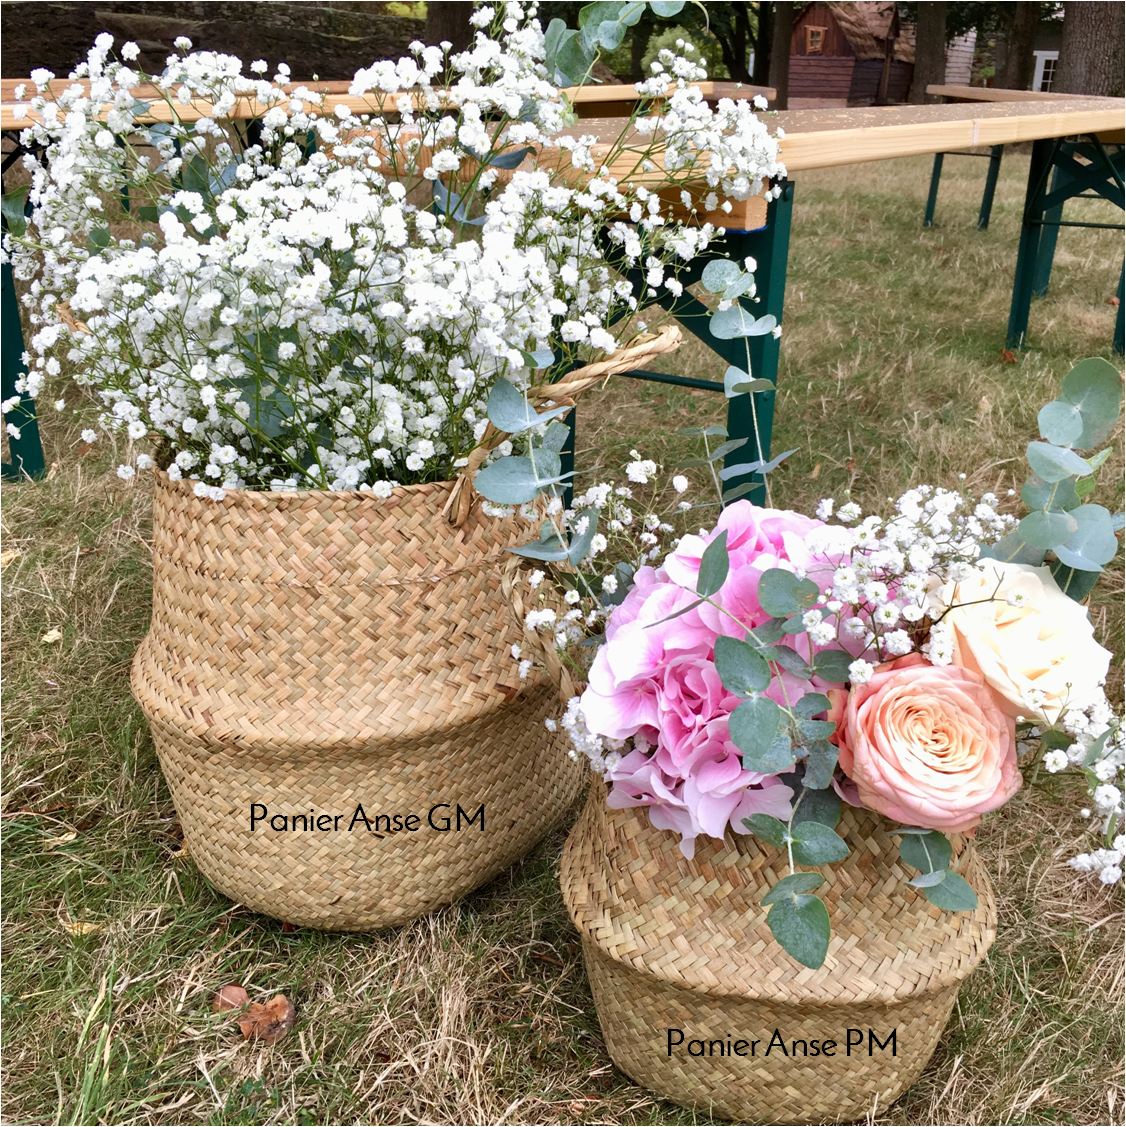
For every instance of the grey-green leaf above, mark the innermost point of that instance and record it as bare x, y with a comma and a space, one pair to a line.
753, 727
790, 660
1060, 423
1094, 387
832, 665
742, 669
1058, 495
816, 844
719, 274
793, 885
811, 704
782, 594
820, 763
1054, 463
772, 831
714, 566
511, 481
580, 545
801, 926
1046, 530
511, 412
929, 852
1093, 543
951, 894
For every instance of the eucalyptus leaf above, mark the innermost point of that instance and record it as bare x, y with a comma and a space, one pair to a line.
714, 566
1093, 543
767, 633
718, 274
666, 9
781, 593
832, 665
509, 160
733, 323
541, 358
1074, 583
792, 885
817, 729
762, 467
1094, 388
926, 852
810, 805
1060, 423
737, 491
801, 926
1046, 530
550, 550
555, 437
769, 829
14, 203
741, 668
790, 660
816, 844
1011, 548
580, 545
753, 728
951, 893
512, 481
1061, 496
811, 704
510, 412
725, 448
1054, 463
820, 763
734, 378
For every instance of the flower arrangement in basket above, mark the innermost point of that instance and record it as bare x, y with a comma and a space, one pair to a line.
749, 677
325, 297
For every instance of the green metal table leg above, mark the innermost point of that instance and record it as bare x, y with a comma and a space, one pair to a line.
1046, 254
991, 175
27, 451
1030, 234
932, 196
771, 249
1119, 337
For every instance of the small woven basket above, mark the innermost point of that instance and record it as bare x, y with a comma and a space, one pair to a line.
672, 944
314, 652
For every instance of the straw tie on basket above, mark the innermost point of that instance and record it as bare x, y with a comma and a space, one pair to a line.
563, 393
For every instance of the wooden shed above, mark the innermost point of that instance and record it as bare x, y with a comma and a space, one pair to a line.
850, 54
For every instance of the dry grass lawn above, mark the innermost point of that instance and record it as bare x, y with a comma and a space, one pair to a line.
114, 943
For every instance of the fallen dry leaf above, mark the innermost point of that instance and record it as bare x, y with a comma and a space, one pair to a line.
1113, 302
268, 1022
230, 997
984, 406
80, 928
62, 839
815, 474
1007, 357
9, 555
181, 853
52, 635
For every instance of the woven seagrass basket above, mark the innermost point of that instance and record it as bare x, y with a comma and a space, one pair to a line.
672, 944
314, 652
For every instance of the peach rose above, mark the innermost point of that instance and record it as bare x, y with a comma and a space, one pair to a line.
1034, 646
928, 745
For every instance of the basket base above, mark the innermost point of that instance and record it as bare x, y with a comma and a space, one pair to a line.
641, 1017
361, 872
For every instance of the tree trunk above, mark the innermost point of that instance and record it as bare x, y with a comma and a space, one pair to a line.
1091, 52
780, 53
930, 51
449, 22
764, 43
1020, 22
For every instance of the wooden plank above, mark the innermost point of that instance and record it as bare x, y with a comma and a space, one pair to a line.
998, 94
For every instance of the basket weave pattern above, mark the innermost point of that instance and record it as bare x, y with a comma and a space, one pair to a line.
320, 650
673, 943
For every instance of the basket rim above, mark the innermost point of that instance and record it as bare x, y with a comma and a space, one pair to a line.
262, 496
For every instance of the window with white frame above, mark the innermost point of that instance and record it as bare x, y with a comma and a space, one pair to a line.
1045, 70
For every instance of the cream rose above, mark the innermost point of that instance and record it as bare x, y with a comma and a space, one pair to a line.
1034, 646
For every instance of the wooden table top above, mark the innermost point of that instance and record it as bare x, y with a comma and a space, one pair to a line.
996, 94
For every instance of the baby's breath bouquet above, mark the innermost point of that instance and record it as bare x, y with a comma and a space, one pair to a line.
320, 296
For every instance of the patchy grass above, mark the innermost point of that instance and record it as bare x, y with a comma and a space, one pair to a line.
891, 374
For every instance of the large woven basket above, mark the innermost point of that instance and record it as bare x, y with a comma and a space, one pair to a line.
672, 944
314, 652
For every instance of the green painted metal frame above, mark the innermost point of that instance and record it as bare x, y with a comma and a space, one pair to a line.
994, 157
1059, 161
27, 450
769, 246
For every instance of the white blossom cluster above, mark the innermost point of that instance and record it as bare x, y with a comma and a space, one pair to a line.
313, 306
885, 570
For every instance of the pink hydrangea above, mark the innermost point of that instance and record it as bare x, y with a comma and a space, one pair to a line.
654, 681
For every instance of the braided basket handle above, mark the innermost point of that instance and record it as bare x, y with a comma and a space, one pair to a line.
563, 393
